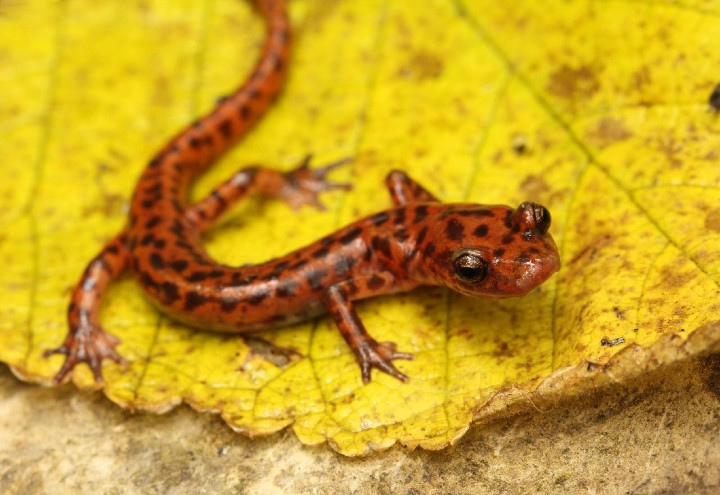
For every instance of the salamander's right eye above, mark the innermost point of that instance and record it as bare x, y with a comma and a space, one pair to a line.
469, 266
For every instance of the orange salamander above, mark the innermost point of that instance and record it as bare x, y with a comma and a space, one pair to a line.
477, 250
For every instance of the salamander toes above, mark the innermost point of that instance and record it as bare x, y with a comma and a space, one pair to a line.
380, 355
89, 345
304, 184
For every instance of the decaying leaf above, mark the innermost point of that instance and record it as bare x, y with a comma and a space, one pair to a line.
596, 110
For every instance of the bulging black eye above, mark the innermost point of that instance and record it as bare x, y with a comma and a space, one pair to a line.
542, 218
470, 267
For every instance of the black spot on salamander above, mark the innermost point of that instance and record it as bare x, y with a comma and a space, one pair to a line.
155, 162
177, 206
153, 222
283, 36
169, 292
507, 221
350, 236
112, 249
401, 235
220, 200
148, 281
480, 231
474, 213
380, 218
258, 296
147, 239
193, 300
498, 252
523, 258
148, 203
225, 128
156, 261
238, 278
136, 265
298, 265
381, 244
179, 265
508, 239
277, 62
344, 264
327, 240
429, 249
228, 304
183, 245
351, 288
254, 93
198, 259
198, 276
533, 250
320, 253
154, 190
399, 217
336, 316
244, 112
177, 228
201, 275
314, 278
159, 243
421, 235
288, 288
375, 282
279, 267
455, 230
195, 142
420, 213
368, 254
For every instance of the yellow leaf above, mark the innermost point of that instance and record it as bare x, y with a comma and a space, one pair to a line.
596, 110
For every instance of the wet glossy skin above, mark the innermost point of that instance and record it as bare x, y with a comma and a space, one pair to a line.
490, 251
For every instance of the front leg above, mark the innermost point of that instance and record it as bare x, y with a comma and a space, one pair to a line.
298, 187
404, 190
368, 352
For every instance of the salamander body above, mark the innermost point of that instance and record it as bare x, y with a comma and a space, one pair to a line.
478, 250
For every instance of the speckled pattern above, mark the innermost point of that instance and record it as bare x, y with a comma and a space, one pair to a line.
491, 251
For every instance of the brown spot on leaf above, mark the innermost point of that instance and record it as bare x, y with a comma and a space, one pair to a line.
607, 131
533, 186
712, 220
673, 278
422, 65
573, 83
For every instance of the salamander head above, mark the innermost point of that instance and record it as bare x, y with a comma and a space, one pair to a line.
491, 251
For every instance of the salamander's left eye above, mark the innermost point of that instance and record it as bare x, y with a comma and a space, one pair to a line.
470, 267
542, 218
530, 217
